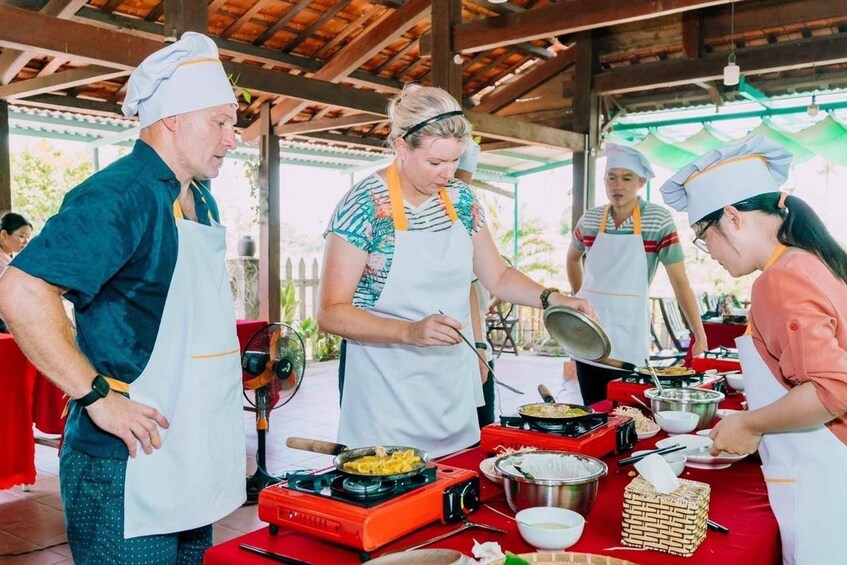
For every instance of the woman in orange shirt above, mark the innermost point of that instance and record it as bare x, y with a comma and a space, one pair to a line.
794, 356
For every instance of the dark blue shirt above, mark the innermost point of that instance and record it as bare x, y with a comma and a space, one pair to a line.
113, 246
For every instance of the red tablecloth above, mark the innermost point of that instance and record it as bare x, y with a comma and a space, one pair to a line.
719, 335
17, 445
27, 396
738, 500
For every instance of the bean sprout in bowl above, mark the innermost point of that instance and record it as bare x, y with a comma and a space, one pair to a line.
550, 478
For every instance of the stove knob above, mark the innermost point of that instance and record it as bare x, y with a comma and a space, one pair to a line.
469, 497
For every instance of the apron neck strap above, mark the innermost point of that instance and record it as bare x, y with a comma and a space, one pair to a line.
636, 219
395, 197
777, 253
178, 209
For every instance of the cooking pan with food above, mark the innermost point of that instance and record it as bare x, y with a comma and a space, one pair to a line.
670, 373
554, 413
385, 462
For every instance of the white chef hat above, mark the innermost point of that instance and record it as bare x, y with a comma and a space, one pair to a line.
727, 175
470, 158
623, 157
182, 77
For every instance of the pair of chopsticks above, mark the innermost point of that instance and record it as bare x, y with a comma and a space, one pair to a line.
662, 451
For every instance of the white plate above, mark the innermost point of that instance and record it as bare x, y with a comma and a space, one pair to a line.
704, 433
690, 441
645, 435
701, 457
487, 468
724, 412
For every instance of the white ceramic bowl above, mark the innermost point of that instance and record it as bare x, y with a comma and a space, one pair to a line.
677, 421
735, 380
690, 442
676, 460
487, 468
548, 527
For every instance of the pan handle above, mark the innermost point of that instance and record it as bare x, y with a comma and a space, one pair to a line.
315, 445
546, 395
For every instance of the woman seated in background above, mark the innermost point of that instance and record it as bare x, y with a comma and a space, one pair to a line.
404, 245
794, 355
15, 232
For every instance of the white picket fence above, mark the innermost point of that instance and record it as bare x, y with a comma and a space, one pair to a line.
305, 287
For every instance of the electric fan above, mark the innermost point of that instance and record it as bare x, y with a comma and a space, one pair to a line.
272, 367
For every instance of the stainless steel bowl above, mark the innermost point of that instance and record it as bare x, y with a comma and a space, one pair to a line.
704, 403
577, 494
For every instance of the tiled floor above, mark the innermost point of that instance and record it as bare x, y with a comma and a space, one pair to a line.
32, 520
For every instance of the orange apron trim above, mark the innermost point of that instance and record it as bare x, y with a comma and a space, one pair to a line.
636, 219
213, 355
395, 197
777, 253
781, 481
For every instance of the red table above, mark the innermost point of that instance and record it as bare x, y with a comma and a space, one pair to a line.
718, 334
27, 396
738, 500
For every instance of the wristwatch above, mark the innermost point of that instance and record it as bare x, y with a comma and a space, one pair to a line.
481, 345
99, 389
545, 296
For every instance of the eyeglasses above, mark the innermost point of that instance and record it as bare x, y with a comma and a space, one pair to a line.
700, 240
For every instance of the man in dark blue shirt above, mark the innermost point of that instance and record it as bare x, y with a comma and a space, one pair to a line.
137, 249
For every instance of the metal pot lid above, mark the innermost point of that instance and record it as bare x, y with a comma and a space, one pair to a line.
576, 333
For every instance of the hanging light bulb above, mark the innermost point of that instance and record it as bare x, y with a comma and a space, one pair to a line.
813, 108
731, 72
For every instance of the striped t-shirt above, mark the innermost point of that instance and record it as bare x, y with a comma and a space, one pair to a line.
363, 218
661, 240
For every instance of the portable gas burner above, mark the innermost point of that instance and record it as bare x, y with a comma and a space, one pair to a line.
597, 436
620, 391
366, 513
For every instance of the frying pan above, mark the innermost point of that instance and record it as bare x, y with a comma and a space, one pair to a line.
581, 337
344, 455
646, 371
553, 420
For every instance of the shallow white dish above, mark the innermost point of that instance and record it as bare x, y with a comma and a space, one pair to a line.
704, 433
649, 433
486, 466
724, 412
735, 381
690, 442
677, 421
700, 459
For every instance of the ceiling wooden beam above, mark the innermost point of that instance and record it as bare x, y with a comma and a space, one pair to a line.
327, 124
752, 60
755, 16
59, 81
536, 76
560, 18
353, 56
508, 129
13, 60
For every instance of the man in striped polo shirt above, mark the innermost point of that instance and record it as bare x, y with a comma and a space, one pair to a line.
623, 242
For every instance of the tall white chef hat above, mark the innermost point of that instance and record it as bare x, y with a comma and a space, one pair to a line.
622, 157
727, 175
182, 77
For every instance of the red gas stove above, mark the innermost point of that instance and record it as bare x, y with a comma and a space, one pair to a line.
366, 514
597, 436
620, 391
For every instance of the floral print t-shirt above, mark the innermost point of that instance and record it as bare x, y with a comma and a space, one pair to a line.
363, 218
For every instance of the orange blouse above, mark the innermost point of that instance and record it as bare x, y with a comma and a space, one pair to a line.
798, 310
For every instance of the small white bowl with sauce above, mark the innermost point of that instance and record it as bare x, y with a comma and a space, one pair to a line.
549, 527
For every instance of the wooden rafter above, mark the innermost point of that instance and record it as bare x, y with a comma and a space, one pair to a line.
59, 81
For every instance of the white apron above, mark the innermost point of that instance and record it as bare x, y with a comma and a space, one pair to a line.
616, 285
193, 378
804, 472
422, 397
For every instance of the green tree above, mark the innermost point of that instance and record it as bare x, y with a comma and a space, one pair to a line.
41, 176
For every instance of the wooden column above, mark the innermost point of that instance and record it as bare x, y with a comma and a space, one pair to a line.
269, 224
185, 15
445, 72
5, 160
586, 112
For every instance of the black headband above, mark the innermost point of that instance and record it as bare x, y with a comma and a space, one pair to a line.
432, 120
